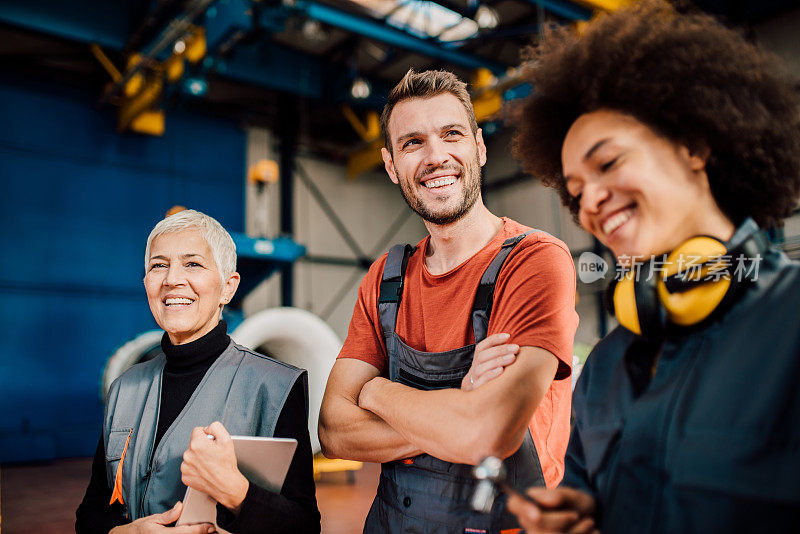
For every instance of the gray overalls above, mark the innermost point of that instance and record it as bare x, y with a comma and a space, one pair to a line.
428, 495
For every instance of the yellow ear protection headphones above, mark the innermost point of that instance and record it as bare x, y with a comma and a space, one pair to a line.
688, 284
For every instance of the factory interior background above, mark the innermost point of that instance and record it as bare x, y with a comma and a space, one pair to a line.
264, 115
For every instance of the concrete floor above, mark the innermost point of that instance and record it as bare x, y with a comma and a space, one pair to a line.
42, 498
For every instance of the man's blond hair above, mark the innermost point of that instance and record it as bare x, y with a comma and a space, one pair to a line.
426, 84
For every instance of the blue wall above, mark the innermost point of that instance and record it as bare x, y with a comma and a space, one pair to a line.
77, 201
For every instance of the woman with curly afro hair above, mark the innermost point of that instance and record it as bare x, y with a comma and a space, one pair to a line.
672, 140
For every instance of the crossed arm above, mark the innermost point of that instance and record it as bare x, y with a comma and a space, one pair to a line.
367, 417
351, 432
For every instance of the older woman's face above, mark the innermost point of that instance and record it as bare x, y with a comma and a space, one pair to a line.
640, 194
184, 287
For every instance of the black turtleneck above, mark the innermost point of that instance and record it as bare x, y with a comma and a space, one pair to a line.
293, 510
186, 365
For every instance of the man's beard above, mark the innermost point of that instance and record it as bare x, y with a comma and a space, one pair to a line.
472, 190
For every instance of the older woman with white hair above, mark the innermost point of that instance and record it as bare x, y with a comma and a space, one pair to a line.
160, 414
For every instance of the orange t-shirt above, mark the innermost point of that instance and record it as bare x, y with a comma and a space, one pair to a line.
534, 301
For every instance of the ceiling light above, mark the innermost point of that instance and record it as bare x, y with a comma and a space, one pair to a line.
360, 88
196, 86
460, 32
180, 46
314, 31
487, 17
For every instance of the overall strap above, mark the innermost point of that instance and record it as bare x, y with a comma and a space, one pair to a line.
392, 286
482, 306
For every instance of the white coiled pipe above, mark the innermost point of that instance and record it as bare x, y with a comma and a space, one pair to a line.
299, 338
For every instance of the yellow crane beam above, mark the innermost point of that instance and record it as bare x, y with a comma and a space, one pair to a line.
604, 5
144, 82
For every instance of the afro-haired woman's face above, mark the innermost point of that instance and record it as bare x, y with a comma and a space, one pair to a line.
639, 193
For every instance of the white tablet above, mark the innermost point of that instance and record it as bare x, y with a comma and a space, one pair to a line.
263, 461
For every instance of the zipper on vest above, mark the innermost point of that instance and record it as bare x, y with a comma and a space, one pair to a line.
146, 478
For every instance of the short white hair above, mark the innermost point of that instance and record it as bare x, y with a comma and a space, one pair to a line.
219, 240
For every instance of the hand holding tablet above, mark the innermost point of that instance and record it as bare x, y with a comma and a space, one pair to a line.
218, 467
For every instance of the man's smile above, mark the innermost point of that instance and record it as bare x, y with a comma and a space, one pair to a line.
439, 182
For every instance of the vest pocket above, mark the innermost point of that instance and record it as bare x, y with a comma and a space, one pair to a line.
116, 444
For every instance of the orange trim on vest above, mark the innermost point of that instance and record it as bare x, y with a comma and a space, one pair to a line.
408, 461
116, 495
511, 531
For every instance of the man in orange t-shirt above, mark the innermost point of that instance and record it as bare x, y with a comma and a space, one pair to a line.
518, 379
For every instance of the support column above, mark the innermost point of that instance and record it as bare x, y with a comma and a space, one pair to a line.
286, 131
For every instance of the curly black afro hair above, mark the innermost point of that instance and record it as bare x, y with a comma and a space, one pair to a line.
689, 79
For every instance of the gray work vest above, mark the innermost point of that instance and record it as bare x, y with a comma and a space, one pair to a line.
244, 390
426, 494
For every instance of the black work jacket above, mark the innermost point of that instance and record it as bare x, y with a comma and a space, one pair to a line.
712, 444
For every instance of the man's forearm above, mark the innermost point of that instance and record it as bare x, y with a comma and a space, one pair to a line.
465, 426
438, 422
358, 434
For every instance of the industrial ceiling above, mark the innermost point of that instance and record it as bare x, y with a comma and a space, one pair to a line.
315, 67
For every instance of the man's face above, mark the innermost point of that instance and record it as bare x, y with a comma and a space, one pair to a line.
436, 159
